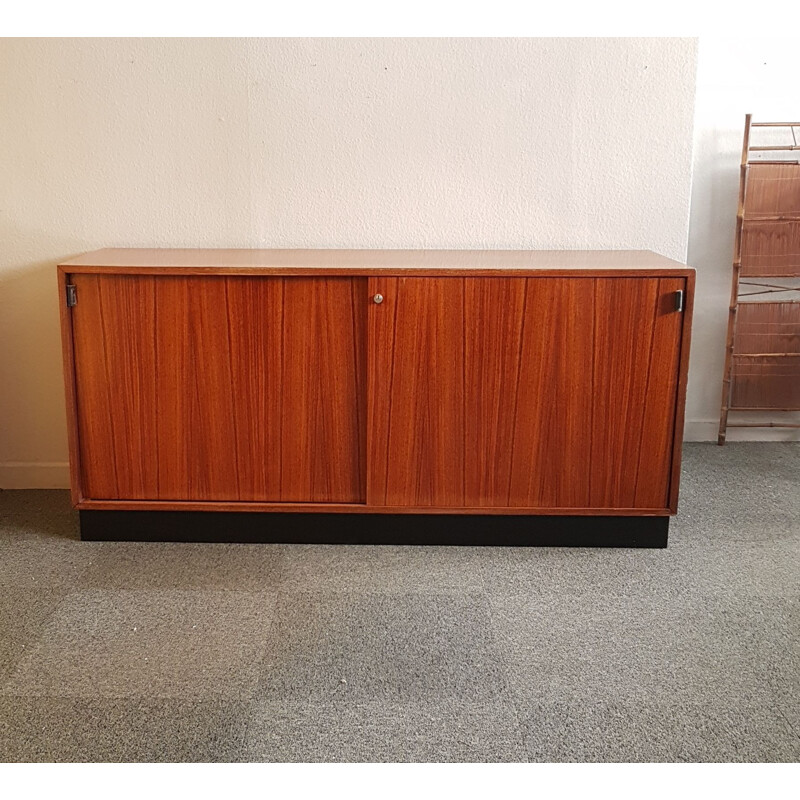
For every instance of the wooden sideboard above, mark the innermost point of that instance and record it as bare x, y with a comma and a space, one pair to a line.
373, 395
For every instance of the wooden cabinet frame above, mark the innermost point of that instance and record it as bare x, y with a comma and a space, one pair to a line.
602, 275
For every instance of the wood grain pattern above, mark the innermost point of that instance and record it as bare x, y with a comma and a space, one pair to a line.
415, 396
551, 449
565, 390
491, 383
116, 382
220, 388
635, 382
469, 391
324, 401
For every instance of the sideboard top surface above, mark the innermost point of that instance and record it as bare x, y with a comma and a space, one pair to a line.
365, 262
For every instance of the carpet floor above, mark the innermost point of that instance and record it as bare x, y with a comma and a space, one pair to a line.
213, 652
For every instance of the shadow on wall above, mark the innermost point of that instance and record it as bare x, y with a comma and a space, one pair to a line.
711, 253
33, 445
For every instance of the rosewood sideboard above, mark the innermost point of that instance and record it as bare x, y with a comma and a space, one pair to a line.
457, 397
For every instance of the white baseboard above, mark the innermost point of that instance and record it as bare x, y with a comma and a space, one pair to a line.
706, 430
34, 475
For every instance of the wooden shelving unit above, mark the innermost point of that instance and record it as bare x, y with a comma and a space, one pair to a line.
762, 357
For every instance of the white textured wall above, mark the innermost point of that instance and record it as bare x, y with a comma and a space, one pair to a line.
735, 77
540, 143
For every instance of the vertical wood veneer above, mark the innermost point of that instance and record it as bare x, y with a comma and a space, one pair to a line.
216, 388
523, 392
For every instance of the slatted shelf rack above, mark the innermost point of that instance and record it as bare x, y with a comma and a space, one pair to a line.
762, 356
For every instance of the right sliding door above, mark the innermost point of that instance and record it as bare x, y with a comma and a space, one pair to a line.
541, 393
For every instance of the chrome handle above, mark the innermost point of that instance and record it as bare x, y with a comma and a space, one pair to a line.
378, 299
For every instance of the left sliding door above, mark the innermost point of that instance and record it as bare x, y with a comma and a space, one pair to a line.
215, 388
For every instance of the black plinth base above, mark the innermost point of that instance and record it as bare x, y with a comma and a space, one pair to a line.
416, 529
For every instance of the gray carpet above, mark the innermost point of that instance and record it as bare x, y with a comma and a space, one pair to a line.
170, 652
